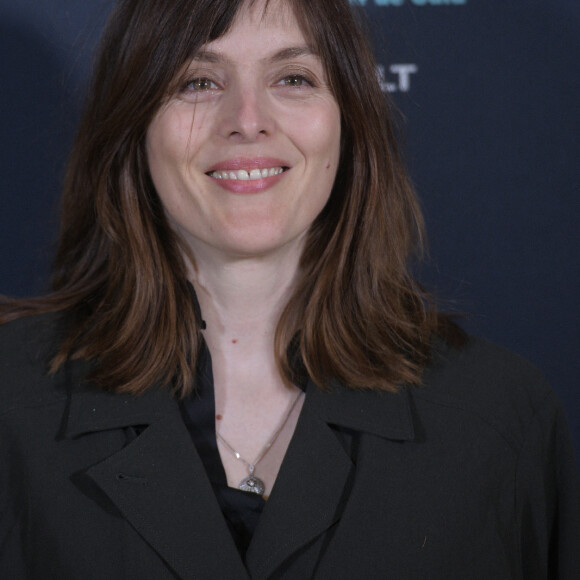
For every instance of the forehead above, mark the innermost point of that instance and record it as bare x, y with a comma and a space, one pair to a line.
264, 24
266, 12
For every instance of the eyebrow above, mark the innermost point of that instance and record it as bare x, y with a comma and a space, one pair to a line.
282, 55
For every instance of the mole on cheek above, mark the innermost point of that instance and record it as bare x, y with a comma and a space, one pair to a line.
235, 341
219, 417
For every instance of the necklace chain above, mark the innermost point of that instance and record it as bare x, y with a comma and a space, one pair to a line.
253, 483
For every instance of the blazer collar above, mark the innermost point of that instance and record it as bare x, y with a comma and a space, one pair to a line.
92, 410
381, 413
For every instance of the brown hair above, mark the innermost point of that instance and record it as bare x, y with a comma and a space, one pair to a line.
119, 276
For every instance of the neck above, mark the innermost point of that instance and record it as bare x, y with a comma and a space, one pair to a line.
241, 299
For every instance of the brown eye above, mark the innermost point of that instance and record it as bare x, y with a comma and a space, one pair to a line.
201, 84
296, 81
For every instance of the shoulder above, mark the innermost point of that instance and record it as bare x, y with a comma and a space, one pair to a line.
29, 340
26, 347
491, 385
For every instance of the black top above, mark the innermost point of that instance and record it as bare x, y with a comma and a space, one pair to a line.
241, 509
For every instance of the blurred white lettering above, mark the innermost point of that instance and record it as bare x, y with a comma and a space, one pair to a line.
402, 81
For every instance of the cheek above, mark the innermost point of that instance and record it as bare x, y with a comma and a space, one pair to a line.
170, 152
162, 157
324, 147
161, 152
174, 136
324, 138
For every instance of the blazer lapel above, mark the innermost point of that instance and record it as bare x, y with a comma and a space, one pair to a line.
158, 482
306, 498
314, 481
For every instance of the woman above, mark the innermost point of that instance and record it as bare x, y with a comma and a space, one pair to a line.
235, 375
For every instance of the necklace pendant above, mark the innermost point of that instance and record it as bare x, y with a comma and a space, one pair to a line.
253, 484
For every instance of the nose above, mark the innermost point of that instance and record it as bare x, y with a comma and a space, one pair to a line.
248, 113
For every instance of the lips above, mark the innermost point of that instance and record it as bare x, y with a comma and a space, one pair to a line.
248, 174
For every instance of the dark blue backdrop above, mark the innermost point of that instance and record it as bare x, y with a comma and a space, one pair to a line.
490, 91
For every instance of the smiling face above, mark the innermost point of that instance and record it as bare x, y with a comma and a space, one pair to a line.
244, 154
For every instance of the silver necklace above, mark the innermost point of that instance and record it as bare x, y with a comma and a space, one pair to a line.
252, 483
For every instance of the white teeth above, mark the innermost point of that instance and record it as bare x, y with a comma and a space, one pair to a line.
244, 175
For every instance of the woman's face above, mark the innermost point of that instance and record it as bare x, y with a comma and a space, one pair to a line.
245, 154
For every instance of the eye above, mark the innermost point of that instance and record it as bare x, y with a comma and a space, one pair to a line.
295, 81
201, 84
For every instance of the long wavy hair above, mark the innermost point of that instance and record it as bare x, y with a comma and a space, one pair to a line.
119, 278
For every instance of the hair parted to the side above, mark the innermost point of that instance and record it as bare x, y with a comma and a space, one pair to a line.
119, 277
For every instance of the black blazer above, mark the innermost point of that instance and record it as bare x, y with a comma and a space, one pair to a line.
470, 476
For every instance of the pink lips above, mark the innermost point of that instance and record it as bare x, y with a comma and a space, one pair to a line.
248, 163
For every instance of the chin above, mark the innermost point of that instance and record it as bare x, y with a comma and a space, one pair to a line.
252, 244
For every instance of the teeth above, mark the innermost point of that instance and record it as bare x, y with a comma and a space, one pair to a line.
244, 175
